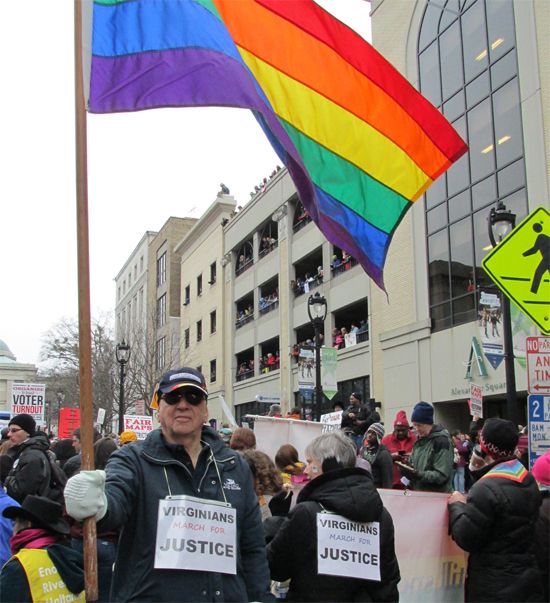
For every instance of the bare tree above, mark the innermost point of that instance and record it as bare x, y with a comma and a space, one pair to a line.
60, 355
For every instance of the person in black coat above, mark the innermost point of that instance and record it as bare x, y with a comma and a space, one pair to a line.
378, 456
496, 522
336, 486
30, 471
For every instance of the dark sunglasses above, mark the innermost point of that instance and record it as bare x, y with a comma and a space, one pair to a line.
192, 396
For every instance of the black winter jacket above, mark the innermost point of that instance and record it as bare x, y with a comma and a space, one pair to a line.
137, 479
293, 552
30, 472
497, 527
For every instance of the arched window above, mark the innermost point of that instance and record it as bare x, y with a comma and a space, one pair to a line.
467, 67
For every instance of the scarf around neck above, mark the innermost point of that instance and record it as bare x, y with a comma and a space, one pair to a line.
32, 538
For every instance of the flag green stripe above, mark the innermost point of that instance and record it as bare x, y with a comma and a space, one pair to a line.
379, 205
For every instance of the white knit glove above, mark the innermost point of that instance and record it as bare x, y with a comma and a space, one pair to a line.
85, 495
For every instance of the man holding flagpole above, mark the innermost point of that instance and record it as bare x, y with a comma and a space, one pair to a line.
189, 520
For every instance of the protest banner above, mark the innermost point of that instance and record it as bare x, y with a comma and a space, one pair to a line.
331, 421
28, 399
196, 534
272, 432
328, 372
140, 424
432, 566
69, 420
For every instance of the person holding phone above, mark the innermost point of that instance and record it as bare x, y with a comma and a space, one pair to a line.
400, 444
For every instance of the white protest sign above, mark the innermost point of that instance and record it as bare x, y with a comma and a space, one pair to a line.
141, 424
347, 548
331, 421
28, 399
476, 400
196, 534
100, 416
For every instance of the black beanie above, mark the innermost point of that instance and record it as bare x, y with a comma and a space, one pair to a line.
499, 438
26, 422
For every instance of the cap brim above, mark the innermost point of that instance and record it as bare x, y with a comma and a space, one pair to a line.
172, 388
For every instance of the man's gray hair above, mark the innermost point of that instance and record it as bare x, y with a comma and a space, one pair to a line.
333, 445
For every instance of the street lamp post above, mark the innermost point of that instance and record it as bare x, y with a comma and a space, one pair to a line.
122, 356
501, 222
317, 312
60, 400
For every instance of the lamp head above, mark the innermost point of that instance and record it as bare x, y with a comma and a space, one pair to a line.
501, 223
122, 352
317, 307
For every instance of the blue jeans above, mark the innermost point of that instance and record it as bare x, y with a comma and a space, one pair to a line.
458, 479
106, 555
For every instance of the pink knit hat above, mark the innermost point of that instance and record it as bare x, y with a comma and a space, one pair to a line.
541, 469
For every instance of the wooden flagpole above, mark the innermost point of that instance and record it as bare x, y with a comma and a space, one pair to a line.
84, 314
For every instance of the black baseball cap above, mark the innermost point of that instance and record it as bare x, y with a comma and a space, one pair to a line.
183, 377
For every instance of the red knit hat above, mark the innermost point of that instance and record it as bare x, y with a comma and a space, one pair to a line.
541, 469
401, 419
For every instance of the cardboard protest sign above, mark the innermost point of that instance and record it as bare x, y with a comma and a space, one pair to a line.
196, 534
140, 424
28, 399
69, 420
347, 548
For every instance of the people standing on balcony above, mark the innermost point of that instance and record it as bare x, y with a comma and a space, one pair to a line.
337, 339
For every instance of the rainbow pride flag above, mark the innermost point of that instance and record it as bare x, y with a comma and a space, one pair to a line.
360, 143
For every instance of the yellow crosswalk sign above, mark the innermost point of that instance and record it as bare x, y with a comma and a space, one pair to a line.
520, 266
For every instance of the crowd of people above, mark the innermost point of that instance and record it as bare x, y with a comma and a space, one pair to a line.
277, 506
37, 537
303, 284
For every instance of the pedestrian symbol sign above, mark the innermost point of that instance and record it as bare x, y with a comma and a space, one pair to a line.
520, 266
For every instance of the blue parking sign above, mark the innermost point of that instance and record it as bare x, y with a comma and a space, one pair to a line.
539, 426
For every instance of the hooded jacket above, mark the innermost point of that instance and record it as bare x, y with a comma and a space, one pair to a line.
497, 527
137, 479
432, 459
293, 551
30, 472
14, 584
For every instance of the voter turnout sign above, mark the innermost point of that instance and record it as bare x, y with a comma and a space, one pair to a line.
28, 399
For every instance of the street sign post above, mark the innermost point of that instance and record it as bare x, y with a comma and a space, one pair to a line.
519, 267
538, 365
539, 426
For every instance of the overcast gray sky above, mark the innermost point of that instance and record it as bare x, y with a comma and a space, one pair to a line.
142, 168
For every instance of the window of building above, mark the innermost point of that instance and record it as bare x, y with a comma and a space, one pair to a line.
186, 338
141, 264
212, 371
199, 368
124, 287
244, 310
301, 217
141, 302
161, 310
269, 296
467, 67
244, 364
199, 285
130, 280
135, 272
268, 238
199, 330
161, 270
160, 357
213, 321
212, 273
187, 295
